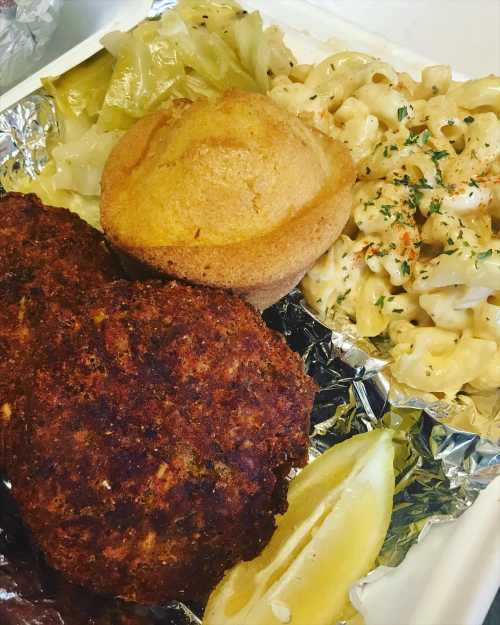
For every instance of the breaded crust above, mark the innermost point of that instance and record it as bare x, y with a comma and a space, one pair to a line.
46, 254
163, 420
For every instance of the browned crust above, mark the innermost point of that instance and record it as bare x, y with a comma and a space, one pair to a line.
47, 254
263, 269
163, 420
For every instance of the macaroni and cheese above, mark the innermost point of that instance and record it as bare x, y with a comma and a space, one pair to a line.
420, 261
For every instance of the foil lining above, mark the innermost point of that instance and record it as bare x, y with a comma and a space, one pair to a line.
25, 131
26, 27
441, 469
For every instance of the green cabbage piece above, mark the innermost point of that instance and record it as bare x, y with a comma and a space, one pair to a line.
81, 91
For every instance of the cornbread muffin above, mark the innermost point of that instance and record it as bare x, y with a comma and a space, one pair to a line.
234, 193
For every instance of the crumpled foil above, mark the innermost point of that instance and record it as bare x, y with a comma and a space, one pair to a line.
25, 130
440, 469
26, 27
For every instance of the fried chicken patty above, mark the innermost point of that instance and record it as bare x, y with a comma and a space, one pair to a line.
162, 422
46, 254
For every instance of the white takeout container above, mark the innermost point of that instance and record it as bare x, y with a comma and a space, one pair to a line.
314, 33
82, 25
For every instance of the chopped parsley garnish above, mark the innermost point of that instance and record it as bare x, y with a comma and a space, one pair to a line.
412, 138
469, 119
394, 148
423, 184
451, 241
397, 310
425, 136
386, 209
449, 252
368, 171
484, 255
414, 198
342, 297
380, 302
402, 113
313, 97
405, 268
435, 207
473, 183
437, 155
386, 151
451, 122
400, 219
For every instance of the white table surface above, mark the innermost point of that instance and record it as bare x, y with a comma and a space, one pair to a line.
462, 33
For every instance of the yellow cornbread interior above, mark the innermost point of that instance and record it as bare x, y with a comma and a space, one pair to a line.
216, 173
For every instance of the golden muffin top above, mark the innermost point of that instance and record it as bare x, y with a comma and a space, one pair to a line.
212, 173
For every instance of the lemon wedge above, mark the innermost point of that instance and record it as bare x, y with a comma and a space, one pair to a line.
339, 512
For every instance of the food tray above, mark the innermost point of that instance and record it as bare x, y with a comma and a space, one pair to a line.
473, 575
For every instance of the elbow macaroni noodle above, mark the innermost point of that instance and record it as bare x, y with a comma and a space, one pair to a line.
420, 260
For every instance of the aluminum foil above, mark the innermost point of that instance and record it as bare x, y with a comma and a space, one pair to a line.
25, 130
440, 469
26, 27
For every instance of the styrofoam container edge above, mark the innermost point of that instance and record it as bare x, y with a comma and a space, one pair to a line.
127, 15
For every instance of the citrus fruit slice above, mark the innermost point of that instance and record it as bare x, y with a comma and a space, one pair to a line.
339, 511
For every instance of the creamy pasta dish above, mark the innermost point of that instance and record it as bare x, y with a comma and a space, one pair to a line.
419, 263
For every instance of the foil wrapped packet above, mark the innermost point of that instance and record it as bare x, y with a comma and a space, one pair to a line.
26, 27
